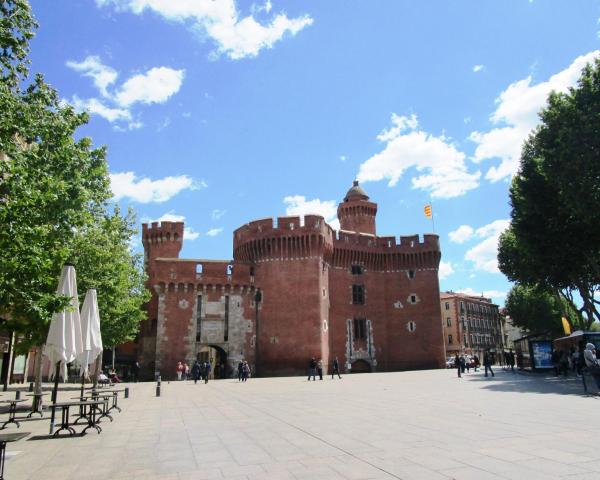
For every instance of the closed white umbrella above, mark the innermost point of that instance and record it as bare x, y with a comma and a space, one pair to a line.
90, 333
64, 344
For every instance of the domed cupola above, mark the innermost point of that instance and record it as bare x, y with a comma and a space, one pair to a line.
356, 213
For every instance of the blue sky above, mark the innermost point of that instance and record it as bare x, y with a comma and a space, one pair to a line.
223, 111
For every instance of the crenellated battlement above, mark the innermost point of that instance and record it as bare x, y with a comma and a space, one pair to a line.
410, 242
162, 239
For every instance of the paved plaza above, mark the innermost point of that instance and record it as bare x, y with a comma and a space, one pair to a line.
410, 425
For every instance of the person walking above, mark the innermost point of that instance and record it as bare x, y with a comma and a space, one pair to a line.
240, 369
196, 371
136, 371
592, 363
487, 363
186, 371
245, 371
463, 364
179, 370
207, 368
457, 364
312, 369
476, 362
511, 360
320, 369
335, 368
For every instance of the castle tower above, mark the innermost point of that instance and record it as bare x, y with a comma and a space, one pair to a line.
162, 240
356, 213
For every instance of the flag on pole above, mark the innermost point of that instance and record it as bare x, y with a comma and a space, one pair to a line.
566, 326
428, 211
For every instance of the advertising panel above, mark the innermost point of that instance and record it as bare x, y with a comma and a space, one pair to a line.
542, 354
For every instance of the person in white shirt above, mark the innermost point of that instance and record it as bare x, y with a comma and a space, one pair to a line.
591, 362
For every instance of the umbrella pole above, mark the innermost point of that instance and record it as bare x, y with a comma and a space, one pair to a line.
54, 395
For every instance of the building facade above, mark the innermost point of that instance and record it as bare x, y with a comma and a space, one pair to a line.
295, 289
471, 324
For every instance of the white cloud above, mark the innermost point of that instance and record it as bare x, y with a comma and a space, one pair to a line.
445, 270
516, 114
216, 214
93, 67
495, 294
484, 255
188, 232
213, 232
343, 158
234, 35
144, 190
478, 68
442, 168
461, 234
298, 205
157, 85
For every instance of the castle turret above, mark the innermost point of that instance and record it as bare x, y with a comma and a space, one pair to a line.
162, 240
356, 213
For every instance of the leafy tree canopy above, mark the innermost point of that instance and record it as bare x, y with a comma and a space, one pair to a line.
554, 237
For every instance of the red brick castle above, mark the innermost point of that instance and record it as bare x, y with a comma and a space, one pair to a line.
295, 289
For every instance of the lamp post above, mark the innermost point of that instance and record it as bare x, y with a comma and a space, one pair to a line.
257, 300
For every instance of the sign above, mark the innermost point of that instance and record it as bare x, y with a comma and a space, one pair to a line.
542, 354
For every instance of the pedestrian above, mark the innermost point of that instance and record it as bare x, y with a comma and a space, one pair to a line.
457, 364
511, 361
487, 363
240, 369
186, 371
179, 370
196, 371
335, 368
245, 371
592, 363
476, 362
136, 371
556, 362
312, 369
207, 368
320, 369
463, 364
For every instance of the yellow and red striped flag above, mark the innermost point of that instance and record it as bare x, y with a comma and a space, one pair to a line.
427, 211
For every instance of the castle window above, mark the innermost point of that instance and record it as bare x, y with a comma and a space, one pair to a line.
413, 298
449, 321
198, 269
360, 329
229, 269
450, 339
411, 326
358, 294
356, 269
447, 305
411, 274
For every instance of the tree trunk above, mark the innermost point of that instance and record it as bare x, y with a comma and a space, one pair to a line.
113, 358
97, 369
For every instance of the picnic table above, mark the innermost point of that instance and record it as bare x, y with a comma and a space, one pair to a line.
4, 439
90, 415
12, 412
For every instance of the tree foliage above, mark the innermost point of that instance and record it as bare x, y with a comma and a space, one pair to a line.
53, 203
554, 237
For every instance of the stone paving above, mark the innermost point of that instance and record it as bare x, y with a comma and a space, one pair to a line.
410, 425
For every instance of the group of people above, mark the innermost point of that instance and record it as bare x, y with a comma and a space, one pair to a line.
112, 377
199, 371
462, 363
315, 367
243, 371
575, 361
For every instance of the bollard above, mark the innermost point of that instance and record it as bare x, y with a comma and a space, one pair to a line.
126, 392
158, 386
31, 386
18, 395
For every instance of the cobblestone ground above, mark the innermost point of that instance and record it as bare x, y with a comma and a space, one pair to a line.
411, 425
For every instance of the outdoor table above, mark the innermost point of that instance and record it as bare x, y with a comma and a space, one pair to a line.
65, 406
4, 439
115, 400
36, 405
12, 412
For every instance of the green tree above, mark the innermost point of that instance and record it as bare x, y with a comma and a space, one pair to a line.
104, 261
534, 309
554, 237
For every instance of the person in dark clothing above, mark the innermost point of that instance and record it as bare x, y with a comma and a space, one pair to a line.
196, 371
136, 371
206, 371
320, 369
511, 360
335, 368
245, 371
457, 364
556, 362
463, 364
487, 363
240, 368
476, 362
312, 369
